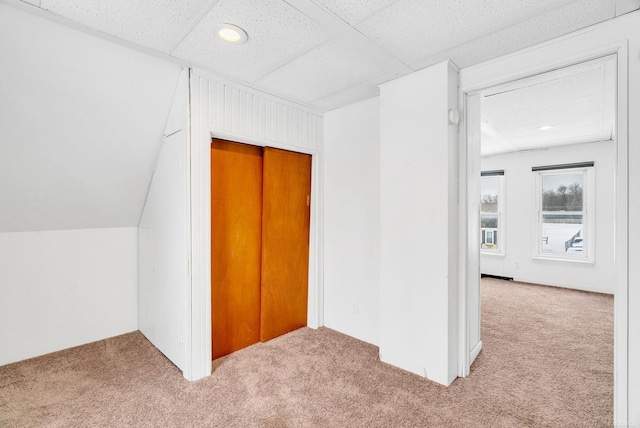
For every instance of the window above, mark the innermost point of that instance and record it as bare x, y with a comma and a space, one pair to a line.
564, 215
491, 212
489, 234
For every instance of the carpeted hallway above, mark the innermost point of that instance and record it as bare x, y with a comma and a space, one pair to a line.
547, 362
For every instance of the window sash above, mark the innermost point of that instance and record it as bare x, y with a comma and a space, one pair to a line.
563, 241
495, 243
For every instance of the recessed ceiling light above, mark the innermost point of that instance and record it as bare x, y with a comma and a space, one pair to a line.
546, 127
231, 33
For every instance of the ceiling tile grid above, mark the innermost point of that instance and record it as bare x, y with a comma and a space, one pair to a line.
575, 126
329, 68
551, 93
346, 97
354, 11
277, 33
575, 101
299, 49
154, 24
428, 28
551, 114
529, 32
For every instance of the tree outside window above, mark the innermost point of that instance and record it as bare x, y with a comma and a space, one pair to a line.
562, 217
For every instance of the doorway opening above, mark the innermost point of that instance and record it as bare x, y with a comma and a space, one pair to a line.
547, 199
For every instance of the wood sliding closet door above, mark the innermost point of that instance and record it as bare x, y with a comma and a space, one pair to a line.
259, 244
285, 242
236, 245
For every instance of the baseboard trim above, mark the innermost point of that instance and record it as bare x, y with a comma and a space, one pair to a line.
474, 352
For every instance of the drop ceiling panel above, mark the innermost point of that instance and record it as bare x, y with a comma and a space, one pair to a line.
576, 101
330, 68
349, 96
432, 27
277, 33
537, 29
556, 90
547, 114
398, 36
568, 126
155, 24
578, 93
354, 11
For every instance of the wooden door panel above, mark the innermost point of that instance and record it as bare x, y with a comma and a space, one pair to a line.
236, 222
285, 242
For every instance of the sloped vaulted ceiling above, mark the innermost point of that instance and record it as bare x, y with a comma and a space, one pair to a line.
81, 123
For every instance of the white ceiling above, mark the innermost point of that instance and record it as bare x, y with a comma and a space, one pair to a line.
81, 117
328, 53
577, 102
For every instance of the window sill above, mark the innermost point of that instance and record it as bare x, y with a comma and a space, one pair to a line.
491, 254
565, 259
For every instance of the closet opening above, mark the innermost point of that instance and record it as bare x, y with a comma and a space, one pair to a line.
260, 218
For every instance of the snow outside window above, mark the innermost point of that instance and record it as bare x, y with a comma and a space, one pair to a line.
565, 205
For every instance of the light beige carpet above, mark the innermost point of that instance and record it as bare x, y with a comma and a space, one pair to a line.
547, 362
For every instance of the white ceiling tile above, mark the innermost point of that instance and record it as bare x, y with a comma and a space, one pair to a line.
331, 67
569, 126
549, 114
347, 97
415, 29
576, 101
549, 94
536, 29
277, 34
354, 11
397, 35
154, 24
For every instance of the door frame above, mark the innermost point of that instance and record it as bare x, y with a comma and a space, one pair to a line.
198, 319
591, 43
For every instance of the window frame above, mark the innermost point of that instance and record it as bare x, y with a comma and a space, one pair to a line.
501, 241
587, 169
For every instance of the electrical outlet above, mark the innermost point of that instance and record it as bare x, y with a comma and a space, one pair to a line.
517, 265
355, 309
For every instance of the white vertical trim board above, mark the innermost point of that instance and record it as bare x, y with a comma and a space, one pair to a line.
469, 260
220, 109
612, 37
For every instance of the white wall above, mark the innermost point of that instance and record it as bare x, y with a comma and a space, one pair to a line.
521, 215
418, 181
352, 220
164, 239
65, 288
